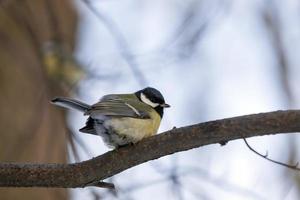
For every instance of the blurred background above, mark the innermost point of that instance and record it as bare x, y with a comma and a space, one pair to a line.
211, 59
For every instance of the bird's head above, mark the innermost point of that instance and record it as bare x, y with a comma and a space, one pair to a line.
153, 98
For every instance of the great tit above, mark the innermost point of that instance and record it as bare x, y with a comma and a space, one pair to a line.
121, 119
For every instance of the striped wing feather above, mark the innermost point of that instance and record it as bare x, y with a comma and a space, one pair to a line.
120, 105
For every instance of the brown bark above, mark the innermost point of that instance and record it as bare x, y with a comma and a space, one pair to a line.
179, 139
30, 130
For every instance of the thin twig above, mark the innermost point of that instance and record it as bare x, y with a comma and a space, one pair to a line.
121, 42
294, 167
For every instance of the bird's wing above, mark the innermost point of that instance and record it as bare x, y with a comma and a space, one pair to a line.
119, 105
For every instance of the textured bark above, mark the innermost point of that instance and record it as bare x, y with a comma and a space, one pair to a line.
179, 139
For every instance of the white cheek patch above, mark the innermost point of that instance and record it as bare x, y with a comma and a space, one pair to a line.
148, 101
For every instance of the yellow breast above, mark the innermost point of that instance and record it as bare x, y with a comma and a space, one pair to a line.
136, 129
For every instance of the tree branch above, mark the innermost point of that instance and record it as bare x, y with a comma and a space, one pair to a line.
180, 139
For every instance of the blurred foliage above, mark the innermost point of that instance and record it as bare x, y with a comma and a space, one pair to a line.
61, 67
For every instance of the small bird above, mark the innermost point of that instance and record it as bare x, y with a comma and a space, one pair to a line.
121, 119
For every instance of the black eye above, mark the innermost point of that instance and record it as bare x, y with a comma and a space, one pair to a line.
154, 100
157, 100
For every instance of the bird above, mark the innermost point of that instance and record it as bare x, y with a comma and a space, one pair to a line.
121, 119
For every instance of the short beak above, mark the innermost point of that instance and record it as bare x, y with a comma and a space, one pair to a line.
165, 105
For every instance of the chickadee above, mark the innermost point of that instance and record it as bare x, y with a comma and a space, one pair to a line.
121, 119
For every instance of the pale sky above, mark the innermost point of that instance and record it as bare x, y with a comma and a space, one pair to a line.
231, 72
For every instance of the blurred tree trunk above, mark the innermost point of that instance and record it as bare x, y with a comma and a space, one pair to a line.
33, 34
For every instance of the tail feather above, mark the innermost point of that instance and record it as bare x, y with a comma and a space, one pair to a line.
71, 103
